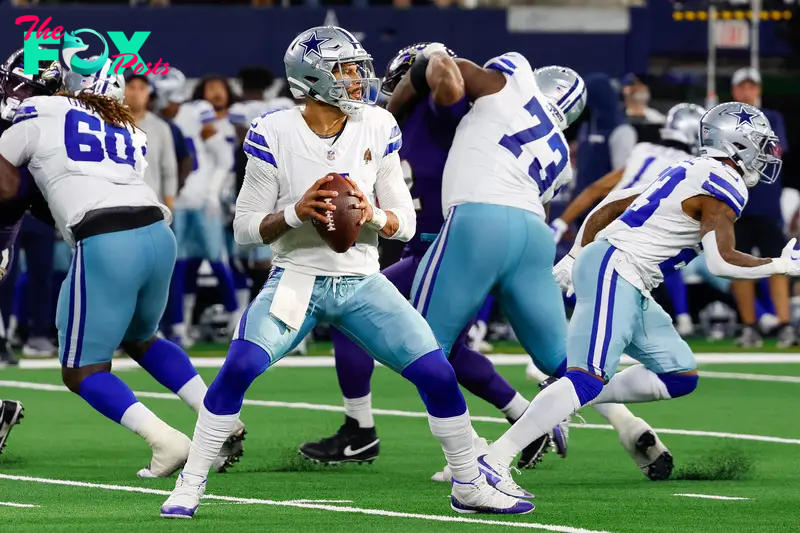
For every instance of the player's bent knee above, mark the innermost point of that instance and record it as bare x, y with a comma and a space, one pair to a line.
436, 382
245, 362
679, 384
587, 386
137, 349
73, 377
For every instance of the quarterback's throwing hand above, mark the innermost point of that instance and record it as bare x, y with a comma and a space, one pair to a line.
363, 203
313, 203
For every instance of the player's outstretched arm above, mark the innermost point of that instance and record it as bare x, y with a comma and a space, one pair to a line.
719, 244
437, 74
17, 145
480, 81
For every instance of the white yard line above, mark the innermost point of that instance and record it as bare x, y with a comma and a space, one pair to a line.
750, 377
712, 497
499, 359
410, 414
302, 505
12, 504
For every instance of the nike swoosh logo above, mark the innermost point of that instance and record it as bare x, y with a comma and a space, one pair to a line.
350, 452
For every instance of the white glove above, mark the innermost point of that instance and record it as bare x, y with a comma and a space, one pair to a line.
563, 274
431, 48
559, 228
789, 261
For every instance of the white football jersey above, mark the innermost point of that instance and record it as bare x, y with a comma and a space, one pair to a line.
191, 118
655, 235
508, 149
243, 113
79, 162
646, 162
366, 151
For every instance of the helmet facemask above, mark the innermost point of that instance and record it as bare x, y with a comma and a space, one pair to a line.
16, 86
354, 84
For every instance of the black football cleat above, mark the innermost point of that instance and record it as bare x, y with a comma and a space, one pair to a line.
351, 444
11, 412
6, 355
534, 452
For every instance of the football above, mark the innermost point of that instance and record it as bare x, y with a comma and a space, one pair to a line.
341, 231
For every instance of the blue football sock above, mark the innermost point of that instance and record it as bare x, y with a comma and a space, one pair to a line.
226, 285
245, 362
437, 385
168, 364
107, 394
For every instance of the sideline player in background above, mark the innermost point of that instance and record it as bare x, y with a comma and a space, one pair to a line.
311, 283
428, 102
198, 217
631, 240
15, 87
680, 139
90, 168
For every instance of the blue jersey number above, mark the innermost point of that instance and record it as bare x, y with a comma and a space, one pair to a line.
86, 146
636, 215
543, 176
192, 152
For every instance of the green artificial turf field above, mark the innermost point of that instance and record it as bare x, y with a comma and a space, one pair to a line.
72, 470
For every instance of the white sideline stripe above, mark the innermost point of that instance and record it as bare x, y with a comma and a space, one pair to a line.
302, 505
12, 504
750, 377
499, 359
712, 497
410, 414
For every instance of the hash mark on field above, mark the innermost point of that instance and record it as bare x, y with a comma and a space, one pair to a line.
300, 504
12, 504
712, 497
411, 414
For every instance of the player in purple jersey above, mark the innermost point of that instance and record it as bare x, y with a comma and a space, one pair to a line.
16, 86
428, 125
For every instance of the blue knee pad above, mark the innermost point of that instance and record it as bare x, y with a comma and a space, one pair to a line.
679, 384
587, 387
561, 370
245, 362
436, 382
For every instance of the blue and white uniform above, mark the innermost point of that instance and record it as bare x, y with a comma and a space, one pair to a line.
613, 276
92, 176
508, 159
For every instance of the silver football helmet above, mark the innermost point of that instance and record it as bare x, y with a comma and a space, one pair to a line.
741, 133
169, 87
683, 125
104, 82
328, 64
565, 90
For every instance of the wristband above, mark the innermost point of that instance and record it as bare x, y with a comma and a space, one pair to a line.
379, 219
290, 216
418, 76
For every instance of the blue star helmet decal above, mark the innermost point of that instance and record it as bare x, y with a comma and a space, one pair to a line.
312, 44
743, 116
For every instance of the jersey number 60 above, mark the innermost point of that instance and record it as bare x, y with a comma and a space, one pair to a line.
85, 146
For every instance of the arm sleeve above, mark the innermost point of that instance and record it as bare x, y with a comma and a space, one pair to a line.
393, 195
612, 197
257, 199
18, 143
719, 267
620, 144
168, 164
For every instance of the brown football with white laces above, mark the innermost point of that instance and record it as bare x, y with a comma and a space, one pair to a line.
341, 231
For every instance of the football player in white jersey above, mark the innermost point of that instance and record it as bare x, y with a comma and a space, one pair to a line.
198, 214
87, 158
289, 151
631, 240
679, 141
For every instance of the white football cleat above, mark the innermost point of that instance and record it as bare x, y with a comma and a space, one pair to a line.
169, 455
477, 496
446, 475
232, 449
646, 449
184, 500
499, 477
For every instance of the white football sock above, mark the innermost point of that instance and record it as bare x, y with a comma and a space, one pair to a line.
516, 407
456, 434
210, 434
145, 423
189, 300
633, 385
243, 298
193, 392
548, 408
361, 410
617, 414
